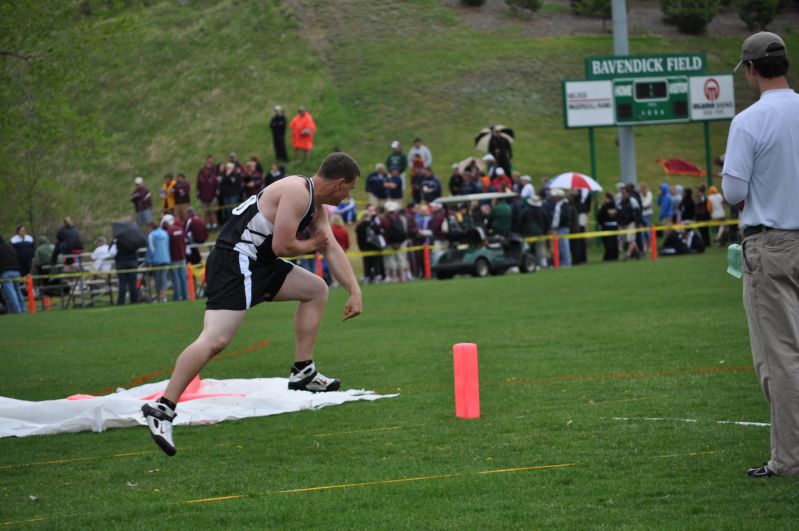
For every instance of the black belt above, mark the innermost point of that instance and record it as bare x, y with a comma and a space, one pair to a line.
755, 229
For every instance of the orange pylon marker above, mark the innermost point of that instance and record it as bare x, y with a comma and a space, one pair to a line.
467, 382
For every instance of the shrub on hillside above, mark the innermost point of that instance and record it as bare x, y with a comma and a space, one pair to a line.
592, 8
690, 16
527, 5
472, 3
757, 14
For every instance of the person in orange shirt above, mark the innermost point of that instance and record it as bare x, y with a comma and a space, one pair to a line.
303, 129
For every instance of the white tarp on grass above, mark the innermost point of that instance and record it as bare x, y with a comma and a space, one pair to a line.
230, 400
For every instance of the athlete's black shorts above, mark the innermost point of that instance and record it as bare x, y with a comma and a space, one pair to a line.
236, 282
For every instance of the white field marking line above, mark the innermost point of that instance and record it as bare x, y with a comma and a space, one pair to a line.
691, 454
381, 482
658, 419
622, 400
355, 431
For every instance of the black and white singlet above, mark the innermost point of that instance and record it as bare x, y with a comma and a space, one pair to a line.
250, 233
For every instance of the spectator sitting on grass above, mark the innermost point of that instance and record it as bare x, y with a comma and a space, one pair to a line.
682, 242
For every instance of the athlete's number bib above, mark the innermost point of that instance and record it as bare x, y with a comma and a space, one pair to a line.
242, 207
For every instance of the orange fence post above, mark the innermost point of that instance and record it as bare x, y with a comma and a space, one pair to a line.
653, 243
31, 295
190, 281
555, 251
426, 253
320, 272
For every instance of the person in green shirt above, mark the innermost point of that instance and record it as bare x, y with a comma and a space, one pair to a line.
500, 221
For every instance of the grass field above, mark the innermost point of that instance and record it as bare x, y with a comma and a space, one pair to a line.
563, 355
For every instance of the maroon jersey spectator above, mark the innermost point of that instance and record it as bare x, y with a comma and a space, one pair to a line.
177, 252
177, 241
253, 179
207, 190
501, 182
340, 232
196, 232
182, 194
142, 203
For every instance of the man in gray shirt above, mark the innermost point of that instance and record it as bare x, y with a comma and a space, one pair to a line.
761, 168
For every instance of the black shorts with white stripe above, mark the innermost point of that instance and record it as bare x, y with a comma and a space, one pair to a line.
236, 282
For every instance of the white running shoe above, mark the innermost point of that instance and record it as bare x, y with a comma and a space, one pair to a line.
309, 379
159, 419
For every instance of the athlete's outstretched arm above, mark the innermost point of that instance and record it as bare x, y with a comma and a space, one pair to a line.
340, 266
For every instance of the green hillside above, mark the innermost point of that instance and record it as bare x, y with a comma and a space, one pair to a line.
160, 84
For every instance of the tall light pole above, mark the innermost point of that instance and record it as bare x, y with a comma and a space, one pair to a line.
626, 134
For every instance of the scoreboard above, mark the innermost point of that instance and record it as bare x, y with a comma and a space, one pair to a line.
649, 100
640, 90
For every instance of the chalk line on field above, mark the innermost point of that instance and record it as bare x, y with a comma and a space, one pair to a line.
691, 454
330, 434
667, 419
381, 482
75, 459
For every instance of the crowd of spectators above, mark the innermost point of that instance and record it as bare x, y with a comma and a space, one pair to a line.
388, 223
401, 211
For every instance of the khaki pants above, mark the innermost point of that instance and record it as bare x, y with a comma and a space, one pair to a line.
771, 298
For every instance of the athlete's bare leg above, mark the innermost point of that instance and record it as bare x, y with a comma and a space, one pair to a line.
219, 327
302, 285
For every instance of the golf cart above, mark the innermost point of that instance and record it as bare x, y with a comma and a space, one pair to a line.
470, 251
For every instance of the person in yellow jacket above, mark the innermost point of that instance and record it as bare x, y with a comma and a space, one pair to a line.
167, 193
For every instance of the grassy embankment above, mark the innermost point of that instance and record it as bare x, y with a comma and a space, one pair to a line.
203, 77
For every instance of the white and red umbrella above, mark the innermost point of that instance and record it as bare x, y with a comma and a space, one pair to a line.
575, 181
